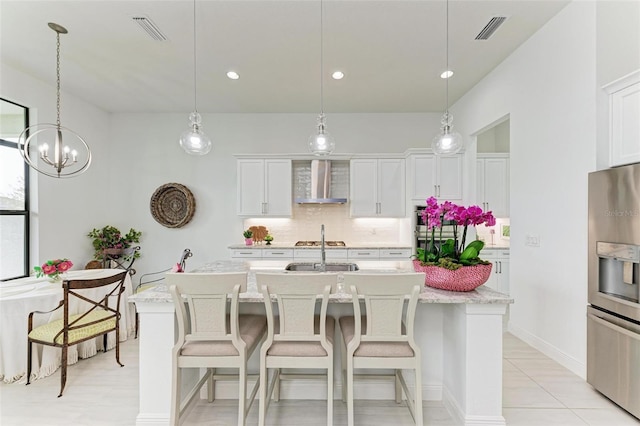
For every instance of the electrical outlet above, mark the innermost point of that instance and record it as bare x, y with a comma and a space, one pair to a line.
532, 240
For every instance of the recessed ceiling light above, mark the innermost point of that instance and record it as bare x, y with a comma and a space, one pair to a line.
446, 74
337, 75
233, 75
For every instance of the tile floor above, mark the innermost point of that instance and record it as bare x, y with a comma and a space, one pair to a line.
537, 391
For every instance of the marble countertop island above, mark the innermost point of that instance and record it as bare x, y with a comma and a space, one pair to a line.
459, 333
481, 295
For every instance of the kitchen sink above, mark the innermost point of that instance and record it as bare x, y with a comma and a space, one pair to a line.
317, 267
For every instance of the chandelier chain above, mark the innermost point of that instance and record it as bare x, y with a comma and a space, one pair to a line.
58, 78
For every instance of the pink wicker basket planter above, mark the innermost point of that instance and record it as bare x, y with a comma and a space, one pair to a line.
466, 278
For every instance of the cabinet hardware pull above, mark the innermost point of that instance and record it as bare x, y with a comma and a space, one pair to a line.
500, 262
435, 190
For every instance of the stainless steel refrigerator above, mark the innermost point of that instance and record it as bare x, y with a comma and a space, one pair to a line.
613, 314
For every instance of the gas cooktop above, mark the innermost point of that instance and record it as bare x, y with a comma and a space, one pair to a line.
319, 243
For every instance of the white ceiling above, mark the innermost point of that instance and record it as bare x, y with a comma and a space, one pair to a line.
392, 52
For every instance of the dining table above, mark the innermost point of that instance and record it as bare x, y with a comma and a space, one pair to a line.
21, 296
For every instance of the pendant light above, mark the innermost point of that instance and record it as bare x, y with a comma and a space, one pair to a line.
321, 143
194, 141
447, 141
66, 160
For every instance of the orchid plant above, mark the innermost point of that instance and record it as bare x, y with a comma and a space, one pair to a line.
452, 254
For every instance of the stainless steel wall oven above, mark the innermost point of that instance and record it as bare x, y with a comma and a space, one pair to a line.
422, 236
613, 314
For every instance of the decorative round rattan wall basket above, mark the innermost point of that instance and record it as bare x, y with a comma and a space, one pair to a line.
172, 205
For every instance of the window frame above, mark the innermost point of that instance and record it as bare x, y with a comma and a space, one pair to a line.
26, 212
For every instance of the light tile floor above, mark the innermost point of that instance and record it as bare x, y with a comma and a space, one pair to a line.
537, 391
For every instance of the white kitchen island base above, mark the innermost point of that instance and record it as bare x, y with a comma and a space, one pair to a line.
460, 335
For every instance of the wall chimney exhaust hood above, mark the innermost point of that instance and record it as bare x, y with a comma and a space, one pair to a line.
320, 185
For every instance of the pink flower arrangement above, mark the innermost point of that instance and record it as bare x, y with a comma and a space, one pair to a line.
452, 254
53, 268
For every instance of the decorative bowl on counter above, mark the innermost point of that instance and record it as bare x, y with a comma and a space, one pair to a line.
466, 278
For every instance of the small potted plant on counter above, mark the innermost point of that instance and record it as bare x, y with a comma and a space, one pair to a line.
268, 238
450, 265
248, 234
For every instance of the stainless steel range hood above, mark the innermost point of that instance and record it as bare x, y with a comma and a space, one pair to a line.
320, 185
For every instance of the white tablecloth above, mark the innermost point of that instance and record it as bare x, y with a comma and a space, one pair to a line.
20, 297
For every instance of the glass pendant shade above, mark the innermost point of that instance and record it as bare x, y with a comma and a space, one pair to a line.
447, 141
321, 143
194, 141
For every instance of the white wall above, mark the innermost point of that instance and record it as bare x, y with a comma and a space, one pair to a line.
65, 209
548, 88
148, 156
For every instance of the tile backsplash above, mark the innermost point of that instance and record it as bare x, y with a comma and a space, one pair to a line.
306, 220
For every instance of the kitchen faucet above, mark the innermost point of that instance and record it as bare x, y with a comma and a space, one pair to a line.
323, 258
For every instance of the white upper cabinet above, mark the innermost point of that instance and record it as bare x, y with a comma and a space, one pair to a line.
264, 187
377, 188
492, 192
435, 176
624, 122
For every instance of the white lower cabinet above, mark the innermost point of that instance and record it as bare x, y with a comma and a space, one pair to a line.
499, 279
277, 253
315, 254
355, 254
248, 253
395, 254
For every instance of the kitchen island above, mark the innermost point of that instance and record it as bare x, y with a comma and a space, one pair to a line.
460, 335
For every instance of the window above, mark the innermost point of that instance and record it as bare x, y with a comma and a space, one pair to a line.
14, 194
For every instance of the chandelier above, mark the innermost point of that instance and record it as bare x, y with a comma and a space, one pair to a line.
70, 156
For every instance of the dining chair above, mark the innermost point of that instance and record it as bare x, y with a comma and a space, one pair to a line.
98, 319
297, 337
382, 337
212, 334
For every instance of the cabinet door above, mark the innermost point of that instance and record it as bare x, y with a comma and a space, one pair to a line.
422, 171
391, 188
480, 196
494, 279
496, 186
504, 276
624, 123
250, 191
364, 187
277, 184
449, 179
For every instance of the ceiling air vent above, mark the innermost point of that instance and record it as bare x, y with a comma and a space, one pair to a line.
150, 28
491, 27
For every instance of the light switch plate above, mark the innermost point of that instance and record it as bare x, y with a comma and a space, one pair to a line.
532, 240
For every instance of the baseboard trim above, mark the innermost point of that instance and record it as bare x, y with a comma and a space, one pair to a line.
459, 416
152, 419
567, 361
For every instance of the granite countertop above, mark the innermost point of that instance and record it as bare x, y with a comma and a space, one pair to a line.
481, 295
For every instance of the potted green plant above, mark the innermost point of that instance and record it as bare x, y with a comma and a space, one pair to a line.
248, 234
109, 243
268, 238
453, 264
